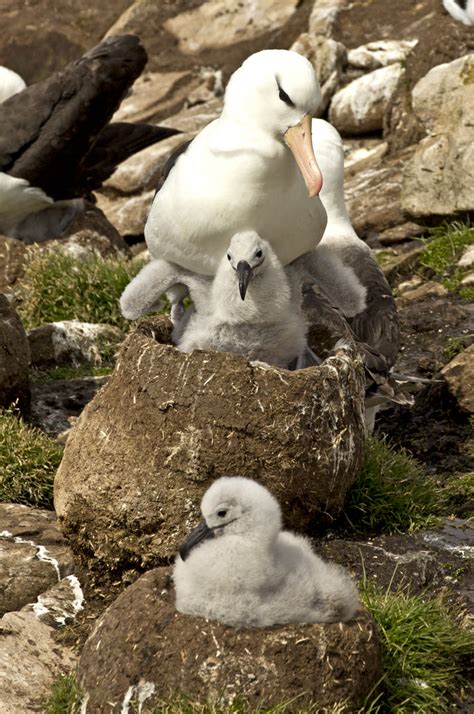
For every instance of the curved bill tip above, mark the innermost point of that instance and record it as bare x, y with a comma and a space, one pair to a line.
245, 272
298, 139
200, 533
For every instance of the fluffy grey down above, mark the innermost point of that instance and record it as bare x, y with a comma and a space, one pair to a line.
249, 573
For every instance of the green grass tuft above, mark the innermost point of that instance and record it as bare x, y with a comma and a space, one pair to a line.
443, 249
65, 697
423, 648
28, 462
60, 287
392, 493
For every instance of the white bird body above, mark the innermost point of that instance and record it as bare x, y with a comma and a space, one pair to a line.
462, 10
238, 173
251, 573
10, 83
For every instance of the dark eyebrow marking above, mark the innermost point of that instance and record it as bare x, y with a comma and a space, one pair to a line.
284, 96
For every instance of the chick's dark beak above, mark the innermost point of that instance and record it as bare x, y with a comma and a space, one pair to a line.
200, 533
245, 272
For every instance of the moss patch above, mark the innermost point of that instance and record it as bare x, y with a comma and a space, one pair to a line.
443, 249
28, 462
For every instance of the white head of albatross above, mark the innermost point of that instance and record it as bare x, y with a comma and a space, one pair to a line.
10, 83
240, 568
277, 91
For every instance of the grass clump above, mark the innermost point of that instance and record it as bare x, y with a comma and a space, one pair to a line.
58, 287
67, 372
423, 647
392, 493
442, 251
65, 697
28, 462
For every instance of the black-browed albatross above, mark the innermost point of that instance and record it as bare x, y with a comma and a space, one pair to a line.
56, 142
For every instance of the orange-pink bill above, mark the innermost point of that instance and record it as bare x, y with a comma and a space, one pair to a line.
298, 139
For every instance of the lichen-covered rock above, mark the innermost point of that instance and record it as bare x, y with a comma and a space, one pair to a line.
72, 342
374, 55
439, 179
459, 374
327, 57
167, 424
146, 651
91, 232
359, 107
33, 555
221, 23
324, 15
14, 358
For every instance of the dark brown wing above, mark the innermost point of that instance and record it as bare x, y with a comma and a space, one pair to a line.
48, 129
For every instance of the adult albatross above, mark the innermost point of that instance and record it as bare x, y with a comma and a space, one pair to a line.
253, 168
56, 142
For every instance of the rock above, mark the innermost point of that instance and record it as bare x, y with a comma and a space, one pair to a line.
411, 284
144, 649
327, 57
128, 213
401, 233
155, 95
439, 179
362, 154
402, 263
31, 660
468, 279
359, 107
91, 232
373, 195
57, 401
71, 342
324, 15
459, 374
12, 260
467, 258
426, 290
33, 555
14, 358
221, 23
374, 55
59, 605
167, 424
142, 171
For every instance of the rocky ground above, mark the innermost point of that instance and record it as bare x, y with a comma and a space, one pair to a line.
400, 88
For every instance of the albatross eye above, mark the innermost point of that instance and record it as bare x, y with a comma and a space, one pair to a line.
222, 513
285, 98
259, 253
229, 257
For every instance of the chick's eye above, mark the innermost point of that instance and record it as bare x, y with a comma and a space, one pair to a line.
228, 256
259, 254
285, 98
222, 514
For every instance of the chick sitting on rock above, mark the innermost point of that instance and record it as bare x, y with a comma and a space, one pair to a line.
238, 567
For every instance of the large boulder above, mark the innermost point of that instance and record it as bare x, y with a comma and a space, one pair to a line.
167, 424
145, 651
327, 57
439, 179
459, 374
12, 260
14, 358
33, 555
72, 342
359, 108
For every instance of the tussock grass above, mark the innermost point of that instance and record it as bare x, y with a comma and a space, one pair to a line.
442, 251
423, 647
66, 372
60, 287
65, 697
28, 462
392, 493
